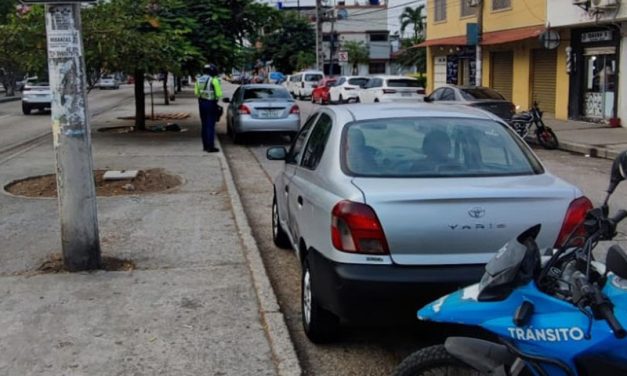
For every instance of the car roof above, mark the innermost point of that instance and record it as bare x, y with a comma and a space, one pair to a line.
392, 110
395, 77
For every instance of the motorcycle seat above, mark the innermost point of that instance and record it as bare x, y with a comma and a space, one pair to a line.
525, 116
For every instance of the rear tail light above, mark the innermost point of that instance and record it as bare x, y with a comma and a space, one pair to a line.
295, 109
572, 228
420, 91
244, 110
355, 228
389, 91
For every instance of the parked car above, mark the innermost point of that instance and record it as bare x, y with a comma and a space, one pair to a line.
388, 205
301, 84
108, 81
320, 93
391, 89
36, 96
474, 96
347, 89
276, 77
258, 108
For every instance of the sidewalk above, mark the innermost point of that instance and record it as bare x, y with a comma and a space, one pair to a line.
199, 301
595, 140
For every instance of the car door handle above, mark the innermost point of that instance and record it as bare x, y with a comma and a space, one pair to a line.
300, 200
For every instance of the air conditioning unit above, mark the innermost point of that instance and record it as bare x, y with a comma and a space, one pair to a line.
603, 5
581, 2
473, 3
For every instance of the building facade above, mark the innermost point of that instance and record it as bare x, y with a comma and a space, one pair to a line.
359, 23
514, 62
594, 39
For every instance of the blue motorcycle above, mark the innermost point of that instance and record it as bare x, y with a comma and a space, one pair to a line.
554, 314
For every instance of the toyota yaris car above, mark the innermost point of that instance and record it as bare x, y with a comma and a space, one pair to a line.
386, 205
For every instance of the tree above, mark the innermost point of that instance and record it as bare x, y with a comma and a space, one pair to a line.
411, 56
357, 53
294, 36
413, 16
24, 40
305, 60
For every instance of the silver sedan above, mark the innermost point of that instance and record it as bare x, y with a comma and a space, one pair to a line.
260, 108
386, 205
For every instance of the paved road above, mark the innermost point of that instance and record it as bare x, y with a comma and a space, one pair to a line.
362, 351
17, 129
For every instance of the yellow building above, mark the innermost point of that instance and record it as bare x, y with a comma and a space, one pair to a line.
513, 60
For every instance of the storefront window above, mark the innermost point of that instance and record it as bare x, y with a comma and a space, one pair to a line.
600, 82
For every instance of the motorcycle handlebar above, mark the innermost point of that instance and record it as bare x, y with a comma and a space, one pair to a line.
599, 304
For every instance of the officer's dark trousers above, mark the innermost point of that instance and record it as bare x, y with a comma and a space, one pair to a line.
208, 113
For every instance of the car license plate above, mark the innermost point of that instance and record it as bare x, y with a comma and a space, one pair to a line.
406, 94
269, 114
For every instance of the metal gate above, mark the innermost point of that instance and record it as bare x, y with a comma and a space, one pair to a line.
502, 73
543, 82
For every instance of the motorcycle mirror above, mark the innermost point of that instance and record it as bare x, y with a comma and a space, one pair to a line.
616, 261
619, 171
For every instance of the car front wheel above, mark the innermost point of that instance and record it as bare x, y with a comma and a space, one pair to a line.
278, 235
320, 325
26, 109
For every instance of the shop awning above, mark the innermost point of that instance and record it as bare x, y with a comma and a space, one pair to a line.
489, 38
450, 41
512, 35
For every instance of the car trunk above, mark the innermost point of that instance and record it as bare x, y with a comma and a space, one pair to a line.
502, 109
448, 221
269, 108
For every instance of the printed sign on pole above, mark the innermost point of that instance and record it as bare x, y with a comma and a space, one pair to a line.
342, 56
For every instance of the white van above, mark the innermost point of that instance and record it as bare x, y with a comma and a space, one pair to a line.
301, 84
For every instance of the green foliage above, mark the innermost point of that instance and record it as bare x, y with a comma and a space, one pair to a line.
357, 53
24, 39
7, 7
291, 45
411, 56
414, 16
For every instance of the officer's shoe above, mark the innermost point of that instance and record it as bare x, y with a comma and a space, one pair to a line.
212, 150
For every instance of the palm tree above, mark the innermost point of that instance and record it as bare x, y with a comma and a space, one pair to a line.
413, 16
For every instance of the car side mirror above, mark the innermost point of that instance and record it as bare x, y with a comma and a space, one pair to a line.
616, 261
427, 99
619, 171
226, 100
277, 153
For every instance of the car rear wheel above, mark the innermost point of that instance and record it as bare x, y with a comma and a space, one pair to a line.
320, 325
26, 109
341, 99
278, 235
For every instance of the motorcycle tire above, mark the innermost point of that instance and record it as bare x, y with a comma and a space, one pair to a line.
547, 138
433, 361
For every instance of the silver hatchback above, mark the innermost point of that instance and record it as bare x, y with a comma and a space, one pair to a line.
386, 205
260, 108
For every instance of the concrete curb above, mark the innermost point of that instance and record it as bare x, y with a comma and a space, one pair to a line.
9, 99
588, 150
271, 316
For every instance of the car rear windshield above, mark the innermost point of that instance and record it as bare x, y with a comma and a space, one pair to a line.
266, 93
358, 81
403, 83
313, 77
434, 147
480, 93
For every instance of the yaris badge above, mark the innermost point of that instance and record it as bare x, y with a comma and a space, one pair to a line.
476, 212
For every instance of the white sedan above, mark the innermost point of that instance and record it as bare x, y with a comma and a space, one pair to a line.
386, 205
391, 89
346, 89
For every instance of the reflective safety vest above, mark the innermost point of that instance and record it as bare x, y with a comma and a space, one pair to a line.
207, 87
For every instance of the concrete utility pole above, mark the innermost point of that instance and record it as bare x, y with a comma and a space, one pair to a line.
478, 51
319, 11
72, 138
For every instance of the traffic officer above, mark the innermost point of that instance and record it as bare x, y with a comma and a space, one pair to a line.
208, 91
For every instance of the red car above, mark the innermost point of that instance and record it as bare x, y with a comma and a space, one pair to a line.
320, 93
